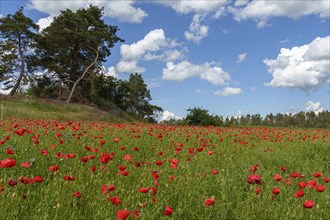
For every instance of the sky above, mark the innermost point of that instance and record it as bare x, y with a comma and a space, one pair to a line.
230, 57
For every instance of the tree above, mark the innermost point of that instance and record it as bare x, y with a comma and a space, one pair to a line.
200, 116
17, 33
75, 45
137, 98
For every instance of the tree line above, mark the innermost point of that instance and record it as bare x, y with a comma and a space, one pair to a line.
201, 117
64, 61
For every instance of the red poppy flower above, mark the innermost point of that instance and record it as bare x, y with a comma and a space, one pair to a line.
254, 168
209, 201
9, 151
302, 184
311, 183
294, 175
84, 159
136, 213
276, 191
76, 194
102, 142
127, 157
214, 172
44, 152
317, 174
308, 204
93, 169
115, 200
116, 140
299, 193
69, 178
143, 190
107, 188
253, 178
168, 210
26, 164
258, 190
7, 163
320, 188
277, 177
288, 182
54, 168
12, 182
121, 168
171, 178
159, 163
326, 179
283, 168
38, 179
122, 214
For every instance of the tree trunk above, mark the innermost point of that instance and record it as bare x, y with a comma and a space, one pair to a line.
21, 74
83, 75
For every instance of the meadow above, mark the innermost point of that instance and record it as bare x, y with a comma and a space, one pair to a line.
98, 170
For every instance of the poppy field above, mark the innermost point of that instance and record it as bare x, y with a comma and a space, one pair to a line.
98, 170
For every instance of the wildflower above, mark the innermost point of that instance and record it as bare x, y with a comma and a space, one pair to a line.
308, 204
253, 178
209, 201
168, 210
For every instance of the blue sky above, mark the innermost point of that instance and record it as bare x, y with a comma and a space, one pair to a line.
230, 57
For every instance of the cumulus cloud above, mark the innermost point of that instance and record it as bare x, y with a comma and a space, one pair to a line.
303, 67
262, 10
154, 46
241, 57
197, 6
44, 22
314, 107
197, 31
185, 69
121, 10
2, 91
167, 115
110, 72
228, 91
201, 10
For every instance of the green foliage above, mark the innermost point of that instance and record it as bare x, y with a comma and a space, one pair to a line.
17, 34
200, 116
72, 42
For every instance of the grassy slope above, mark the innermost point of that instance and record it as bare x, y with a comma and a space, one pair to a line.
27, 107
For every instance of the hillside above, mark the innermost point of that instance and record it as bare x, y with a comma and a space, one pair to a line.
28, 107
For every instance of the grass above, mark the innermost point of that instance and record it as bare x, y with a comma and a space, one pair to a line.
230, 151
34, 108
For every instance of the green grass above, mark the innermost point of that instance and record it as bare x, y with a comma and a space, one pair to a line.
235, 198
34, 108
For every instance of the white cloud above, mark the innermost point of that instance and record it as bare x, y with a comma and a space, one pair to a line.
167, 115
111, 72
262, 10
197, 31
241, 57
201, 9
44, 22
200, 91
184, 70
196, 6
304, 67
154, 46
228, 91
121, 10
169, 55
2, 91
314, 107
